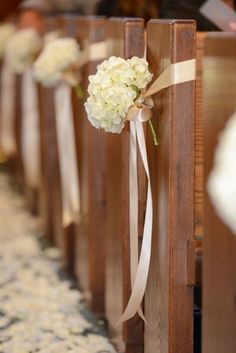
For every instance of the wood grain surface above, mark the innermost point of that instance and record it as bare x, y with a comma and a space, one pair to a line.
219, 276
91, 146
199, 139
126, 40
169, 300
50, 163
19, 171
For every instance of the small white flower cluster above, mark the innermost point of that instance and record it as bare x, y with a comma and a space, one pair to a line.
39, 311
114, 89
57, 57
6, 31
222, 180
22, 49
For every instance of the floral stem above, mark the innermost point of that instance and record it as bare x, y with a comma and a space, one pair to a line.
137, 91
154, 135
79, 91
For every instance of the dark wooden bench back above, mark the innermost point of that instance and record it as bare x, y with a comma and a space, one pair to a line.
219, 284
169, 296
50, 163
91, 146
125, 39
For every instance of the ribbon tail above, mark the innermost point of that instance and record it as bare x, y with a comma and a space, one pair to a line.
133, 207
67, 156
133, 202
140, 281
30, 130
7, 135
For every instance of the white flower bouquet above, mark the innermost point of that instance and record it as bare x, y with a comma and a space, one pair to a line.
114, 89
22, 49
221, 183
57, 62
6, 31
118, 93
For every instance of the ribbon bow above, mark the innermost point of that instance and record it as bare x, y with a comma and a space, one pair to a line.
141, 110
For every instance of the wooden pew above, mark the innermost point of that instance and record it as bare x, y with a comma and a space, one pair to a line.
231, 3
18, 162
169, 296
199, 162
8, 8
50, 164
67, 26
91, 146
64, 237
12, 159
219, 310
198, 191
198, 203
33, 194
126, 39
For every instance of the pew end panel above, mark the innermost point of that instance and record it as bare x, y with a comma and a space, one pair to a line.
19, 170
198, 204
51, 183
126, 39
66, 25
219, 279
50, 168
169, 298
91, 147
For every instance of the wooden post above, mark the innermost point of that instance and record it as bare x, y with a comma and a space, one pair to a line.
91, 147
126, 39
19, 171
49, 157
169, 298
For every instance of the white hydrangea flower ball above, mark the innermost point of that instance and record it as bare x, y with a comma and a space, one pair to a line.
22, 48
6, 31
56, 57
222, 180
114, 89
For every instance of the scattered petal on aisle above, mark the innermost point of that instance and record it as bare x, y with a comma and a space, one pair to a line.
39, 311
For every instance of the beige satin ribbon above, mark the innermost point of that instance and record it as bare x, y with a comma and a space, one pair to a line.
51, 36
92, 52
181, 72
7, 134
30, 130
67, 155
114, 45
65, 132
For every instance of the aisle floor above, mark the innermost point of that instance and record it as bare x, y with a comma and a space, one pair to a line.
39, 310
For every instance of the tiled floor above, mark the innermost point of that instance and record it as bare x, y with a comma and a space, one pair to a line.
39, 311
